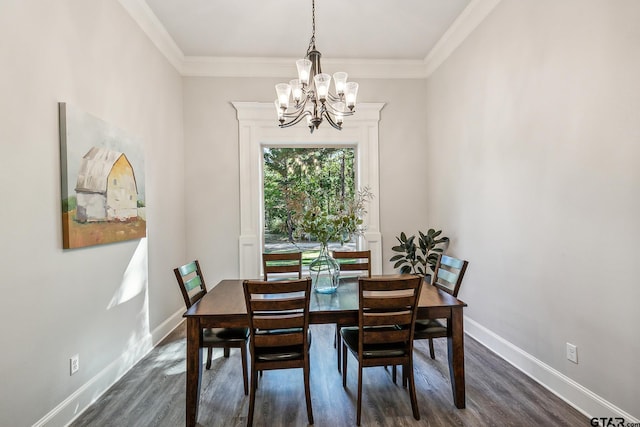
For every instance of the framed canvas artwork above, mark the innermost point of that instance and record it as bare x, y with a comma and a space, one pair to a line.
102, 174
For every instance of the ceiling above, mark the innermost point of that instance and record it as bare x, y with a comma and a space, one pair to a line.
354, 29
262, 38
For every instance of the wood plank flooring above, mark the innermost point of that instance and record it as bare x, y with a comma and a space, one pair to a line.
152, 393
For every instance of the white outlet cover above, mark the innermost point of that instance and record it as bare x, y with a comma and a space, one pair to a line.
572, 353
74, 364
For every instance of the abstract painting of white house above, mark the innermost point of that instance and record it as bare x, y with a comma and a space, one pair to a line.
102, 171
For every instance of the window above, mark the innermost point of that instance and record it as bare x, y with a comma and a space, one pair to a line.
293, 174
257, 129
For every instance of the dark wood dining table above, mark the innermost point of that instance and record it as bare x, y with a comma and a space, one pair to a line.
224, 306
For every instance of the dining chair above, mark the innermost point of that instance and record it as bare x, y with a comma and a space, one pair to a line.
358, 262
278, 327
384, 335
447, 276
277, 263
193, 288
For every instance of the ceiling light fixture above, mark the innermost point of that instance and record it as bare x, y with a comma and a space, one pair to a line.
310, 91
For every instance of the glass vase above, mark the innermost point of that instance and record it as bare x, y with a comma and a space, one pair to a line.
325, 272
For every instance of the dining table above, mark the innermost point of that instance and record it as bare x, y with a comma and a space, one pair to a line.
224, 307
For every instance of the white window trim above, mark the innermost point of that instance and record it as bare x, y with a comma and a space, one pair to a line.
257, 128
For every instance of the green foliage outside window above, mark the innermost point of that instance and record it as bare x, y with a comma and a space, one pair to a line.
297, 180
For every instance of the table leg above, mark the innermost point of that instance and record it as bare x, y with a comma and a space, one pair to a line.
455, 342
194, 370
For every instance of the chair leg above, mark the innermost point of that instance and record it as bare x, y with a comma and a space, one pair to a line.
344, 365
393, 373
252, 395
404, 376
243, 354
226, 352
307, 391
431, 351
336, 344
359, 410
412, 390
209, 351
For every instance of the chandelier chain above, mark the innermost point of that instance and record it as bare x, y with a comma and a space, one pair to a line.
312, 42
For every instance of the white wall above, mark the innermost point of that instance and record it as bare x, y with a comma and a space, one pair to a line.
56, 303
212, 174
533, 124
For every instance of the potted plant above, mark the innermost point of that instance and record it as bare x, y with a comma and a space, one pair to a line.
417, 258
310, 218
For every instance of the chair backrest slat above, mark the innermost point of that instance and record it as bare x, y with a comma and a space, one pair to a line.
189, 268
372, 336
265, 323
452, 262
387, 319
388, 302
448, 276
285, 304
278, 340
192, 283
277, 263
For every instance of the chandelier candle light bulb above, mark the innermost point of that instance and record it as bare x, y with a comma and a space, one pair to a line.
322, 82
304, 70
296, 90
284, 91
311, 91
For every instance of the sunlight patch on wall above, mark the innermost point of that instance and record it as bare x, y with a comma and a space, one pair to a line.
135, 277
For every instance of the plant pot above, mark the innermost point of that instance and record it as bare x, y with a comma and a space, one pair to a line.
325, 272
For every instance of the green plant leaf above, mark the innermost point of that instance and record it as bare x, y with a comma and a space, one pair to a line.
399, 263
396, 258
398, 249
405, 270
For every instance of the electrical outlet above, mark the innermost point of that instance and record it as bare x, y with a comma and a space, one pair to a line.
572, 353
74, 363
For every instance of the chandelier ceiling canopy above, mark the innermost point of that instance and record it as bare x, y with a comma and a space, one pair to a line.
310, 91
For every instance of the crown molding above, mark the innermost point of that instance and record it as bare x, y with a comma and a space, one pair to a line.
200, 66
286, 67
142, 14
465, 23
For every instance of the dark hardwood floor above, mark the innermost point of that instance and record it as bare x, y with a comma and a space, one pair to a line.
152, 393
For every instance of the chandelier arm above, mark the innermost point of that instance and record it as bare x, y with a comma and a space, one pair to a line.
295, 112
332, 110
295, 121
334, 98
327, 116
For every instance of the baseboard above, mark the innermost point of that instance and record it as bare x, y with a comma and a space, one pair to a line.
581, 398
70, 408
165, 328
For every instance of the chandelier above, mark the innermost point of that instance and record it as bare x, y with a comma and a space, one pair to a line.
310, 91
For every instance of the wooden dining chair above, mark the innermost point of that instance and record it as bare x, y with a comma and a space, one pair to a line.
447, 276
384, 335
278, 327
358, 262
278, 263
354, 261
193, 288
